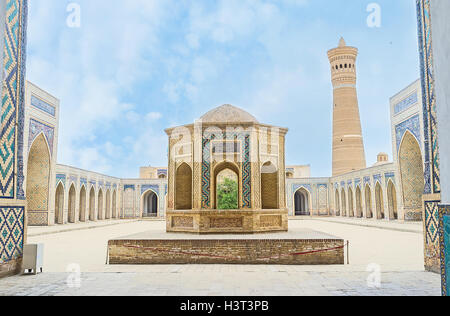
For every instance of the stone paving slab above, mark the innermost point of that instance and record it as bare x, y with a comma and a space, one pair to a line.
206, 281
407, 227
35, 231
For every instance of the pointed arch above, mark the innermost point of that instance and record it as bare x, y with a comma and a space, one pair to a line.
392, 200
219, 170
59, 204
100, 206
351, 209
183, 187
269, 186
71, 204
344, 202
337, 203
359, 209
302, 202
368, 199
92, 204
114, 205
379, 201
150, 203
411, 172
82, 206
38, 182
108, 205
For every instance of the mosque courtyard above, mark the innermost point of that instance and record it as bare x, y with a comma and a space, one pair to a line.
75, 257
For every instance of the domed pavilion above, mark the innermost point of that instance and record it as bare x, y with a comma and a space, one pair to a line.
231, 140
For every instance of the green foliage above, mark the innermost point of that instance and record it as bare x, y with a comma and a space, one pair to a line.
227, 195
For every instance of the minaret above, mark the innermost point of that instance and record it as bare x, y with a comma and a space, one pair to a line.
348, 145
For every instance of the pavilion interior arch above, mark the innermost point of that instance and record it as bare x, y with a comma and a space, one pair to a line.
225, 170
269, 186
183, 187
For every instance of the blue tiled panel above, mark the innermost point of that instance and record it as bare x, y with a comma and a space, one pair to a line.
447, 252
146, 187
43, 106
11, 233
406, 103
412, 125
295, 187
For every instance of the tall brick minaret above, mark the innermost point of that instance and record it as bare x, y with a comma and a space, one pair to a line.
348, 144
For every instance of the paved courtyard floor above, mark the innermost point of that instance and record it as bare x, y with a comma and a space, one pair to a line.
384, 260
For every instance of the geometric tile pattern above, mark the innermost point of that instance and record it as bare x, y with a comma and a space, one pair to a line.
11, 233
432, 223
367, 181
431, 148
154, 188
61, 178
36, 128
244, 139
432, 173
412, 125
12, 99
161, 172
444, 238
389, 176
246, 175
376, 178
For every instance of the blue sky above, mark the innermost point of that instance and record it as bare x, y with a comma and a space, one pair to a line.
136, 67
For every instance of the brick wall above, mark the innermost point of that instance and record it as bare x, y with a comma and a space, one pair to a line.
251, 251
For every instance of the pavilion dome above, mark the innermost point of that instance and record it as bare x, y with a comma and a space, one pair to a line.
228, 114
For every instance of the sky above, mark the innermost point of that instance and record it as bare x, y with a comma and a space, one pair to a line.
132, 68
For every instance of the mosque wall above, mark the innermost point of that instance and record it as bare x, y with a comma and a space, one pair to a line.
134, 193
86, 196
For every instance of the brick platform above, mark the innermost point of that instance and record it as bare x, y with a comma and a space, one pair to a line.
297, 247
227, 221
